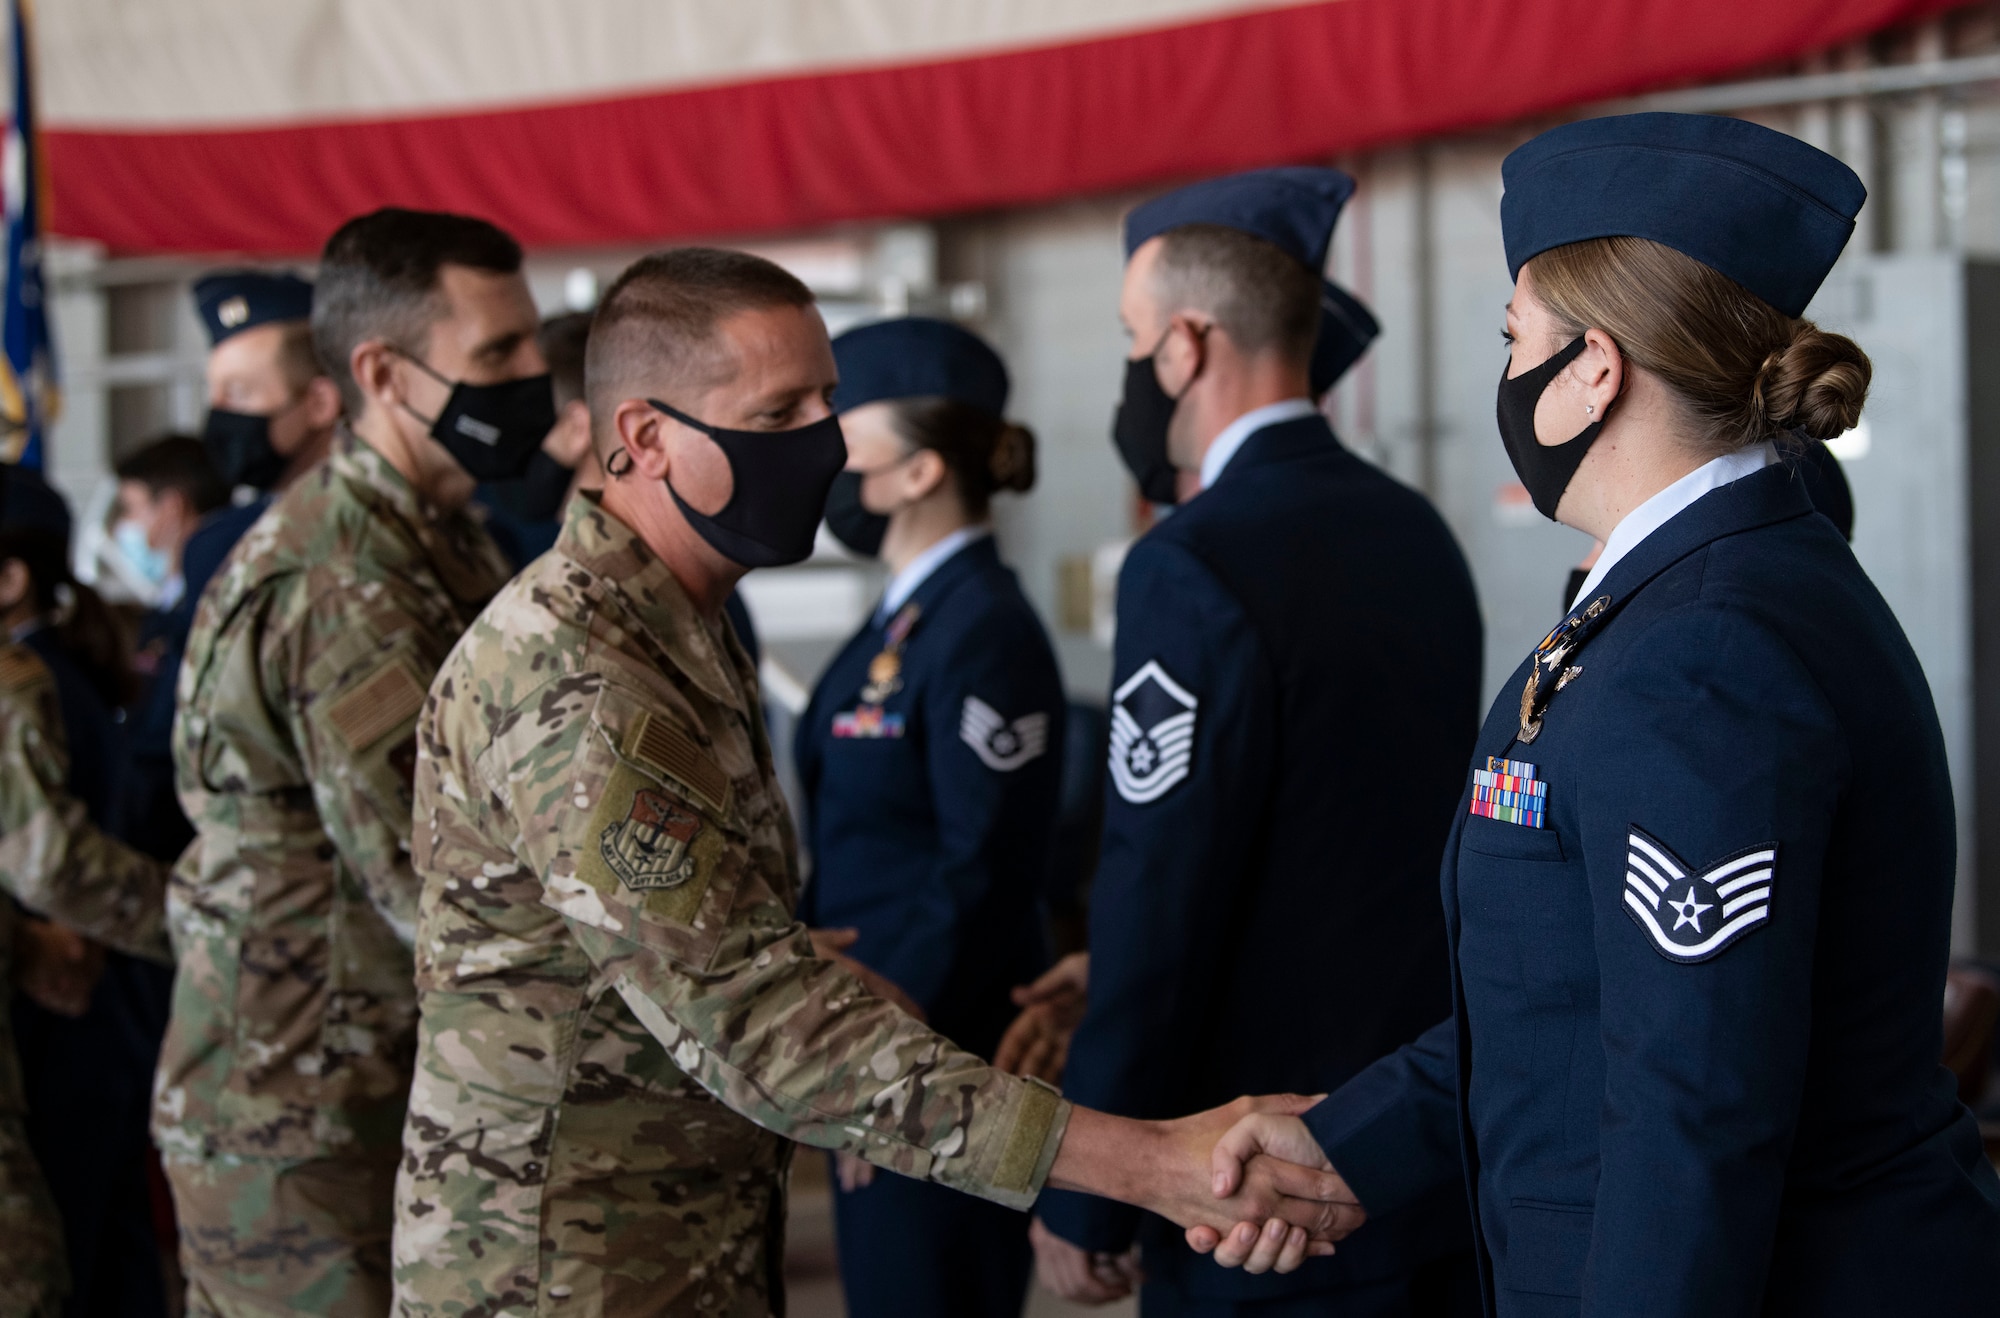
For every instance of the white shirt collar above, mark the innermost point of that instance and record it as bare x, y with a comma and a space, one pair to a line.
1238, 431
904, 584
1657, 511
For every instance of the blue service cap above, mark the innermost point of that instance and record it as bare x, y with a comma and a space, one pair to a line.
1749, 202
232, 301
1293, 208
917, 357
29, 503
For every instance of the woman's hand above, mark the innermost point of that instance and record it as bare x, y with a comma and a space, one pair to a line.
1247, 1245
827, 945
1037, 1043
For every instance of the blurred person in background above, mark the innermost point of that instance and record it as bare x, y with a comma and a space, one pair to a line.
1295, 686
80, 1024
165, 491
929, 759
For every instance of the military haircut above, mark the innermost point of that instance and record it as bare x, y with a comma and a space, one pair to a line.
1260, 295
379, 279
656, 327
563, 339
179, 463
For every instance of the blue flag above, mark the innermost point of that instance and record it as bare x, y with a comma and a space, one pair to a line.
29, 399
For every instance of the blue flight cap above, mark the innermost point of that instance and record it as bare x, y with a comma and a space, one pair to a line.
28, 503
917, 357
1293, 208
232, 301
1749, 202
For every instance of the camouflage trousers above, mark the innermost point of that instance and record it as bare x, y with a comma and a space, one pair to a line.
271, 1236
34, 1274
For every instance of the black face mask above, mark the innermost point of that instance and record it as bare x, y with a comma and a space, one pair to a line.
1139, 429
536, 495
1545, 469
850, 521
492, 430
780, 479
239, 448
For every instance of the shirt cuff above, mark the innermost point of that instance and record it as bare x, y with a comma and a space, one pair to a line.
1013, 1149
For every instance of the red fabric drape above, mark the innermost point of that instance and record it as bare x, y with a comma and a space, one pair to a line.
997, 130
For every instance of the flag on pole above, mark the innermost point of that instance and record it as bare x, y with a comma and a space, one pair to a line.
29, 399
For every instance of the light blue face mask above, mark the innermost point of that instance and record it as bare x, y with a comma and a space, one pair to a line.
150, 563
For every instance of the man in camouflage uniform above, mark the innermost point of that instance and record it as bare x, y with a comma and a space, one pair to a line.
622, 1022
57, 862
286, 1067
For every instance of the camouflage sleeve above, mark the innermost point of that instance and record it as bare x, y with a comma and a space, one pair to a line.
53, 859
632, 832
356, 667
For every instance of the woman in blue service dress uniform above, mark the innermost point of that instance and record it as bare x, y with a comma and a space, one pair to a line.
1699, 891
929, 759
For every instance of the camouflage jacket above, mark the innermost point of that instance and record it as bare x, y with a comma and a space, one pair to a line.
53, 859
615, 993
293, 1013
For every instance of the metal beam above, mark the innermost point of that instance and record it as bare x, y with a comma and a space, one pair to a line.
1881, 80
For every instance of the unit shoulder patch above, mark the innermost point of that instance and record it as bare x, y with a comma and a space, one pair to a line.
1692, 913
1152, 734
1000, 745
377, 705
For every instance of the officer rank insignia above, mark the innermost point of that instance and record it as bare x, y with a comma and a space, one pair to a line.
650, 847
1693, 913
1152, 734
1508, 790
1000, 745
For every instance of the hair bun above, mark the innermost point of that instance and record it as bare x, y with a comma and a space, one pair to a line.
1013, 463
1816, 384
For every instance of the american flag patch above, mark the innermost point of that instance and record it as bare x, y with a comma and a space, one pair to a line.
1508, 791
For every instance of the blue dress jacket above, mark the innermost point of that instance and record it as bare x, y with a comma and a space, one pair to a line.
1296, 685
929, 807
1693, 1063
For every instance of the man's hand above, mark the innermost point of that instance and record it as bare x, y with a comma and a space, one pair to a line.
1077, 1275
1037, 1043
55, 966
1246, 1245
827, 944
852, 1171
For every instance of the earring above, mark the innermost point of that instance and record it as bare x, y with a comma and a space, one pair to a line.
1588, 409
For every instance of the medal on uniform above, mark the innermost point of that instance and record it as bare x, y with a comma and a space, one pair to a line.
1550, 673
885, 670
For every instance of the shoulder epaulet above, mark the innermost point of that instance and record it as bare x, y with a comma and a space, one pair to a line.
21, 668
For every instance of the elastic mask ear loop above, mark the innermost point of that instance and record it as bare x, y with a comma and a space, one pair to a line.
1200, 333
430, 422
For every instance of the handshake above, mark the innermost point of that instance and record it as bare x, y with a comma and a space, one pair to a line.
1246, 1181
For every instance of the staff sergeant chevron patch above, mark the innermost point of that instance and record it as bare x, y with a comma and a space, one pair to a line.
1692, 916
1000, 745
1152, 734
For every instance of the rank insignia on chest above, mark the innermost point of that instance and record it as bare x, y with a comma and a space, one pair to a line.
867, 723
1509, 791
1693, 912
650, 847
1152, 734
